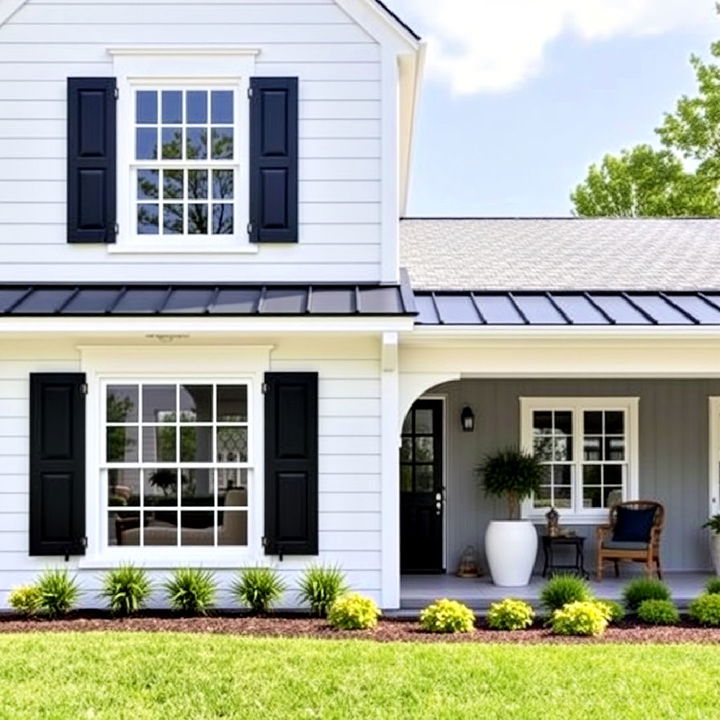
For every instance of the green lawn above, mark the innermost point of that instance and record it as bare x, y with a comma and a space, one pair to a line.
136, 676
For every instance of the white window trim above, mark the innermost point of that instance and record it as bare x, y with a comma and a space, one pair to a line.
187, 67
630, 405
103, 364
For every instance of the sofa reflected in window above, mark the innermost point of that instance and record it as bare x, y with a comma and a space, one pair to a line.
166, 527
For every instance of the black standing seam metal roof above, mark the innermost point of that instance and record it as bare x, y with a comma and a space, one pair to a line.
200, 299
614, 308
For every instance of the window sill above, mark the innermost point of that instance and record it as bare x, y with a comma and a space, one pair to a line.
211, 558
129, 248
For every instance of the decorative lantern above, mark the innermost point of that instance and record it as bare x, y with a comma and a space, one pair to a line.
553, 519
467, 419
469, 563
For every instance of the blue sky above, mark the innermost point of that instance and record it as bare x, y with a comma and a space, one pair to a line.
506, 131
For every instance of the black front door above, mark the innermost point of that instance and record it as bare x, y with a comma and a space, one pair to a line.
421, 490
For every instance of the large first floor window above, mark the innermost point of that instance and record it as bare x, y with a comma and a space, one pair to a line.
176, 464
588, 449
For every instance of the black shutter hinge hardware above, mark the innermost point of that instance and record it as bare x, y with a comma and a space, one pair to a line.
84, 391
117, 93
250, 92
85, 541
264, 388
249, 228
117, 229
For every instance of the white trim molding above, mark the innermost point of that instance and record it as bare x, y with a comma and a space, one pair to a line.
577, 515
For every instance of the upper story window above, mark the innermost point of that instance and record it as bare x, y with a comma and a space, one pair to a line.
185, 162
589, 449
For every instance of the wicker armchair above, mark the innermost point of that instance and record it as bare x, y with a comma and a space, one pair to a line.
646, 552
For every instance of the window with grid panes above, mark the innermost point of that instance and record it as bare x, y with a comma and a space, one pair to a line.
585, 448
176, 463
185, 166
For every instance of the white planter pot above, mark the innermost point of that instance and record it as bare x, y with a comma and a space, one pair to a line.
511, 547
715, 550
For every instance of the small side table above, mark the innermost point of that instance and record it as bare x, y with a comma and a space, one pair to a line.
549, 543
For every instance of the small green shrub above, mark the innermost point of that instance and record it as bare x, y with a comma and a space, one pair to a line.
644, 588
26, 600
580, 618
658, 612
510, 614
615, 611
59, 592
258, 588
321, 586
712, 587
353, 612
191, 591
563, 589
705, 609
127, 589
447, 616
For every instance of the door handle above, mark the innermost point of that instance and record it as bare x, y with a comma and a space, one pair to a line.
438, 503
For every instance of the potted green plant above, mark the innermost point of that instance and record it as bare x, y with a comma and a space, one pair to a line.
511, 545
713, 525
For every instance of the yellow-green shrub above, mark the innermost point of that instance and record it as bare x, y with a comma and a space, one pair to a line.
26, 599
353, 612
614, 610
580, 618
510, 614
447, 616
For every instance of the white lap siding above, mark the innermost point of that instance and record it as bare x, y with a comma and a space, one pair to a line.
349, 462
339, 66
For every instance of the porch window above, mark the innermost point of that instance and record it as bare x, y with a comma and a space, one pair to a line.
588, 448
176, 464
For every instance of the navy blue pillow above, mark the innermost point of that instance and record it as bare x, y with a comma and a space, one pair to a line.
633, 525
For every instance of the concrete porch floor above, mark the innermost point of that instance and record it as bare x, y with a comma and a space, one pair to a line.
417, 591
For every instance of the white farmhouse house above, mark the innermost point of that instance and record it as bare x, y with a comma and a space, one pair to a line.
220, 346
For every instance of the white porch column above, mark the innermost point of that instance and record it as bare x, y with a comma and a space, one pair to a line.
390, 489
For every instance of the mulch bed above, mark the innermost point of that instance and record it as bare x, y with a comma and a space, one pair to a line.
388, 630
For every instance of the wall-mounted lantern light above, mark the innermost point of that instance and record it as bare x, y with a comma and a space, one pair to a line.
467, 419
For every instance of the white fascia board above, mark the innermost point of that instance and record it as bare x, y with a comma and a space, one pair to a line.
411, 70
200, 325
440, 334
8, 8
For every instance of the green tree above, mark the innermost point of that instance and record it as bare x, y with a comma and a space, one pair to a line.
643, 181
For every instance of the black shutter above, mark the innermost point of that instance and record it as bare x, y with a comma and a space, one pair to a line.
57, 464
91, 160
274, 159
291, 464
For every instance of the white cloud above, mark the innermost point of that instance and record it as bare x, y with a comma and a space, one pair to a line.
494, 45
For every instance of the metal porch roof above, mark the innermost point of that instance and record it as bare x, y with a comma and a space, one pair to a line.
567, 308
192, 299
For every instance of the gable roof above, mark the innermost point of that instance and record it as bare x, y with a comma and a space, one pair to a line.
561, 254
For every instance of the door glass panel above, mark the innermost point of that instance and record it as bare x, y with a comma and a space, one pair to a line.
424, 478
423, 422
406, 450
407, 424
424, 449
406, 482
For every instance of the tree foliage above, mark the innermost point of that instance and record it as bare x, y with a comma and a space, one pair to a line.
647, 182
